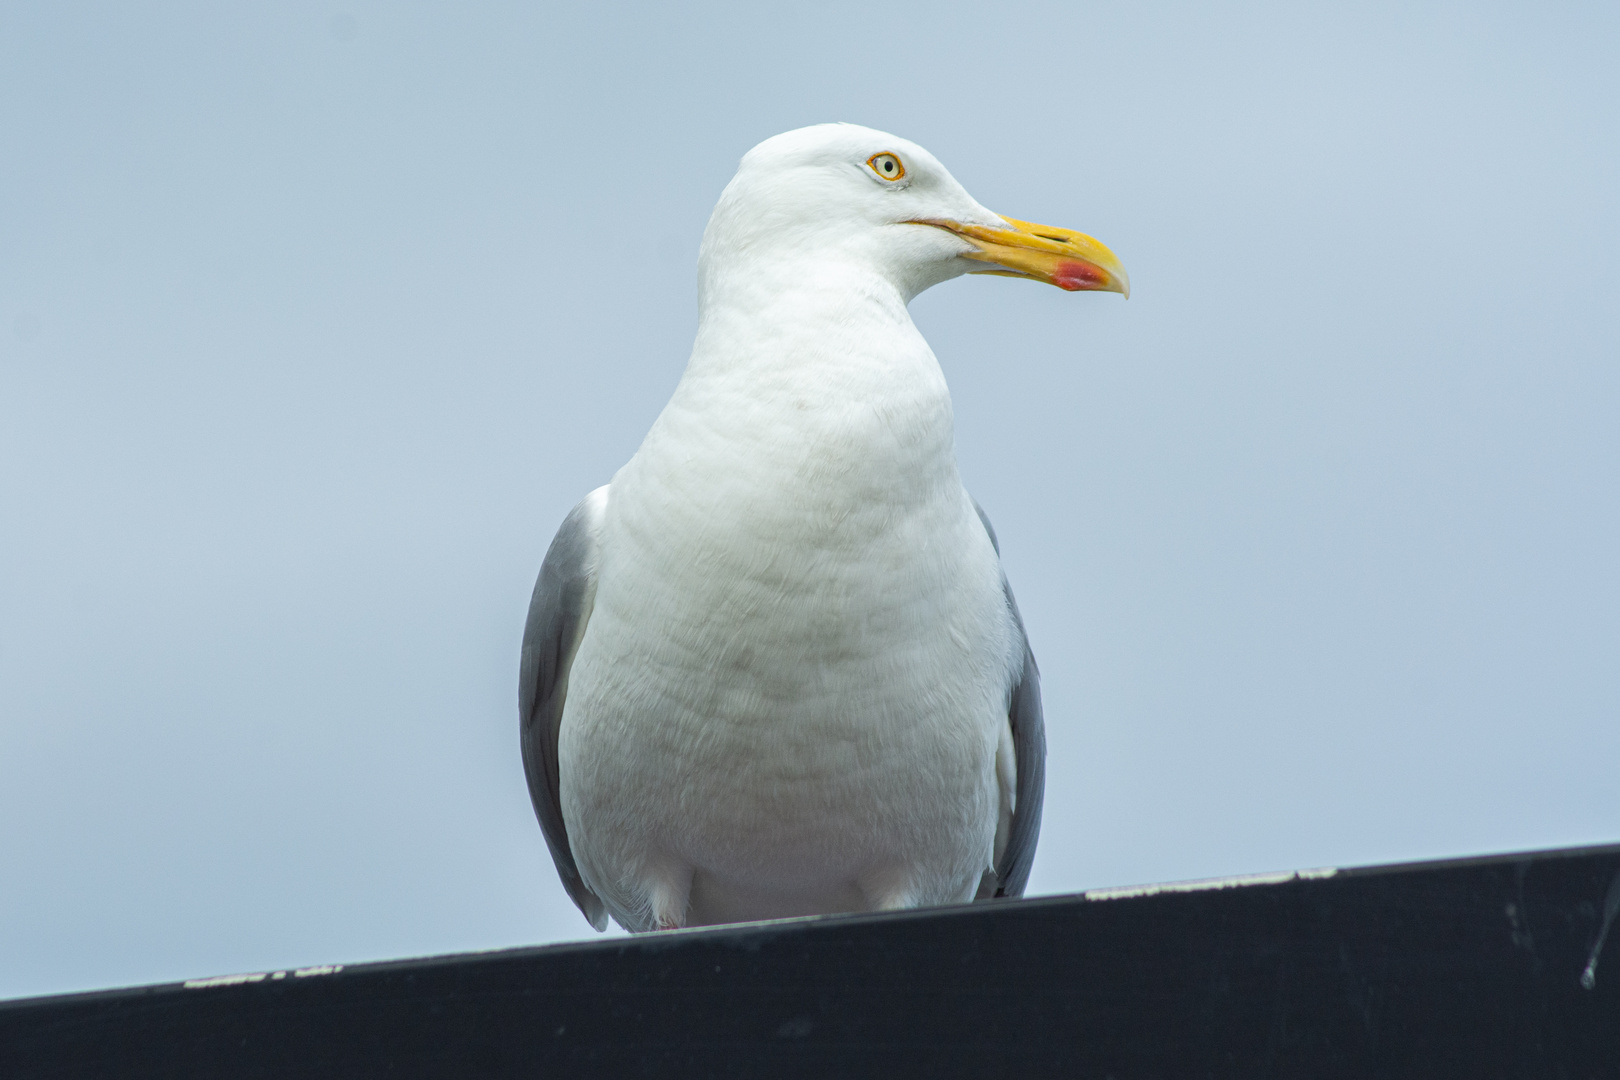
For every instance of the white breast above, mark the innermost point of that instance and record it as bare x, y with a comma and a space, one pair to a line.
793, 685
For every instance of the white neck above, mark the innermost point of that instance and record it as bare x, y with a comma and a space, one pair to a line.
816, 386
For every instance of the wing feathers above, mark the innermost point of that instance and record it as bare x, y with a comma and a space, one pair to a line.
1029, 754
558, 613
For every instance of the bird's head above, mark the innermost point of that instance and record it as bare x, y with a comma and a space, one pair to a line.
841, 193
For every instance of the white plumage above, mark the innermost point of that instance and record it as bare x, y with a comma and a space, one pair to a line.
776, 670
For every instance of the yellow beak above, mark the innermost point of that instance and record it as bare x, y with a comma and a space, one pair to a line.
1061, 257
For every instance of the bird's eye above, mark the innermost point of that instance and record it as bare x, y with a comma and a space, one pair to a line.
887, 166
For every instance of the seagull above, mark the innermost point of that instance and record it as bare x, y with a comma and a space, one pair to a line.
774, 668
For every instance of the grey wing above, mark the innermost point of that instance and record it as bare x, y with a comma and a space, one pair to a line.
558, 613
1029, 753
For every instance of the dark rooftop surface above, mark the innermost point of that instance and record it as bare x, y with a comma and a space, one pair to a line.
1486, 967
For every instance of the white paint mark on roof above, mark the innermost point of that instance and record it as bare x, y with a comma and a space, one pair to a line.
224, 980
260, 976
1279, 877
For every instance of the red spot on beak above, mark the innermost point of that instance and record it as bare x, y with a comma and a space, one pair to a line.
1075, 276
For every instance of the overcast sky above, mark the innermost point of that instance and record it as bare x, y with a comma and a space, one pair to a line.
315, 321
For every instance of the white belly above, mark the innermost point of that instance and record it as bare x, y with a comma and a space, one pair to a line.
788, 712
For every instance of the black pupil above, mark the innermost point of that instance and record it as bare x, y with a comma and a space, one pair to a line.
888, 166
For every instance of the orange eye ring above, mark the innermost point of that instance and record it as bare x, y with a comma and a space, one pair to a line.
887, 166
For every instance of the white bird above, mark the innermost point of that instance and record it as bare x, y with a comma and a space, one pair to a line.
774, 668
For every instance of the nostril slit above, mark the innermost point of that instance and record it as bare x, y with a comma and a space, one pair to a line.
1059, 239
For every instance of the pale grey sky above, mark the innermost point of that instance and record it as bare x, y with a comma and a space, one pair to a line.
315, 319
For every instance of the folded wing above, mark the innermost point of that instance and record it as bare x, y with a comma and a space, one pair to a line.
558, 613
